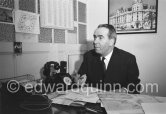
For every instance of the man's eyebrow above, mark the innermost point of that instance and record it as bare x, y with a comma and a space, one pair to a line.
97, 35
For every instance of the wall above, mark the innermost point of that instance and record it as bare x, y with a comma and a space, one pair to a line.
50, 45
97, 13
148, 48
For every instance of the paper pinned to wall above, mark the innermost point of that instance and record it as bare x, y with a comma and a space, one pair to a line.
26, 22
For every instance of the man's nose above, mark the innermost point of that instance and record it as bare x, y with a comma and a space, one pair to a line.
95, 40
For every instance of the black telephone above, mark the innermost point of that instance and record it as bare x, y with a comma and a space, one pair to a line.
54, 77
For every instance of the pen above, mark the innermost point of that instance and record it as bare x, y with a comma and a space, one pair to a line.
89, 109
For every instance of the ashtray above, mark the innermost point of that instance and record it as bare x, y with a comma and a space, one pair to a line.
36, 103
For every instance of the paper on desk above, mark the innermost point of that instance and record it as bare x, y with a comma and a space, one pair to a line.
74, 95
144, 99
161, 99
115, 106
113, 95
154, 108
86, 94
93, 98
62, 101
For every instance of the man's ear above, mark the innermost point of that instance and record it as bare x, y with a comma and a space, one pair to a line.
112, 40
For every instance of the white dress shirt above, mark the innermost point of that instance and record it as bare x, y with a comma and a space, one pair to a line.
107, 59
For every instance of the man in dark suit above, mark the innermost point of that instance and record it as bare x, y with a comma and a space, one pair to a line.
108, 66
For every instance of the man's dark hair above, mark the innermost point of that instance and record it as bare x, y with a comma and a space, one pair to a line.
112, 31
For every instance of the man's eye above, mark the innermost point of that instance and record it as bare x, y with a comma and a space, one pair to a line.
94, 37
100, 37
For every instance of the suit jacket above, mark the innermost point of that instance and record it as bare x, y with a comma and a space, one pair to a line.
122, 71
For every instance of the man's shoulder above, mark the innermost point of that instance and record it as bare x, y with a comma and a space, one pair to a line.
120, 52
91, 53
123, 52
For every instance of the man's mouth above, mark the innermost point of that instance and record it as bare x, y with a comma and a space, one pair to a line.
97, 48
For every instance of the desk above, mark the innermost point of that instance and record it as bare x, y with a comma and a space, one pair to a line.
54, 109
121, 103
62, 109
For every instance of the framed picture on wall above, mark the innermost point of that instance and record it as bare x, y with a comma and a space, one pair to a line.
133, 16
6, 15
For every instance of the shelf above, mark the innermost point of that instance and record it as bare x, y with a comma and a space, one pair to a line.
6, 8
6, 23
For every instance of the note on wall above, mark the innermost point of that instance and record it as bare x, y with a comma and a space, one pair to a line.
26, 22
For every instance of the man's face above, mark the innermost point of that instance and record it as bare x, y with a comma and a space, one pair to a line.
102, 43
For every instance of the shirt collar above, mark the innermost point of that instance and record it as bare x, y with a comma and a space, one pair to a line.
108, 56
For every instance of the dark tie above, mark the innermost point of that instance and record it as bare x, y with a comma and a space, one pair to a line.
103, 64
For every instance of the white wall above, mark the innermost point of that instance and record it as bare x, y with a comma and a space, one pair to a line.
148, 48
96, 14
35, 55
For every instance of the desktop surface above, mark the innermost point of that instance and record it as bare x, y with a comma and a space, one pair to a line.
53, 109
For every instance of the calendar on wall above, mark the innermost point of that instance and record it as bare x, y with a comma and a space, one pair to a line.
57, 14
26, 22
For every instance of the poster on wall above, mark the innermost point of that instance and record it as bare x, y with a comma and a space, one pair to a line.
133, 16
26, 22
57, 14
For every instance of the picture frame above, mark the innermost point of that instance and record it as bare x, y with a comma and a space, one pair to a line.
6, 15
133, 16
